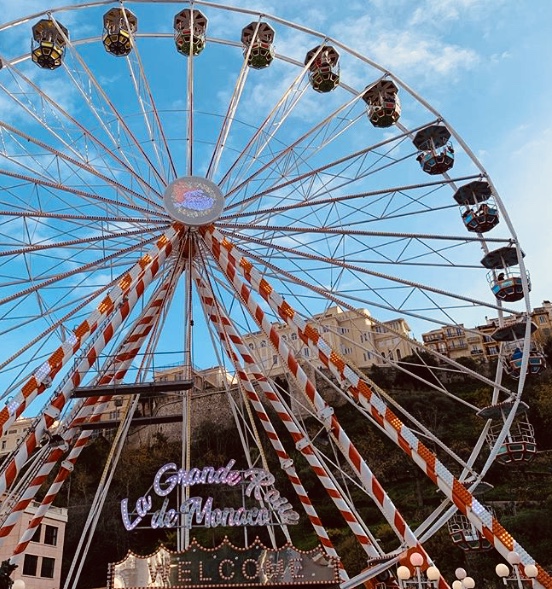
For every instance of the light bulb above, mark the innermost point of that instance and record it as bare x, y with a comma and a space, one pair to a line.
530, 571
403, 573
460, 573
468, 583
433, 573
416, 559
502, 570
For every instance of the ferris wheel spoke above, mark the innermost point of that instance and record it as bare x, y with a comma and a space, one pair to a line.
348, 199
74, 130
88, 86
265, 130
99, 263
305, 148
56, 325
341, 169
228, 119
354, 268
349, 231
150, 114
76, 167
30, 249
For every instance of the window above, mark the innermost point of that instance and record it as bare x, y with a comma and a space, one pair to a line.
398, 354
3, 444
367, 356
293, 336
47, 568
50, 535
263, 343
30, 565
306, 352
390, 354
251, 346
542, 319
274, 359
36, 535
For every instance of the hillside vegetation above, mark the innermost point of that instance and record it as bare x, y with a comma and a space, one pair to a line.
521, 495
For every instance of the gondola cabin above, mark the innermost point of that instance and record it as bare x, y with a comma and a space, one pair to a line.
519, 446
506, 283
119, 27
323, 64
384, 106
48, 45
435, 153
257, 40
479, 210
465, 535
190, 28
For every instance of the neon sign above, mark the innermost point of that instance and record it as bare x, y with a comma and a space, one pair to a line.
257, 483
226, 565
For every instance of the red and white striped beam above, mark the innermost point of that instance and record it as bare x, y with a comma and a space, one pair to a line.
230, 256
354, 458
140, 275
90, 412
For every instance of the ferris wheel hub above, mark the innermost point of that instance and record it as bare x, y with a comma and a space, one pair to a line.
194, 201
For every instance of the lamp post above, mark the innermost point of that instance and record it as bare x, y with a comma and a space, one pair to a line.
521, 576
427, 579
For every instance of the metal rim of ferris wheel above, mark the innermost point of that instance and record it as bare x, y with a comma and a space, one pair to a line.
286, 189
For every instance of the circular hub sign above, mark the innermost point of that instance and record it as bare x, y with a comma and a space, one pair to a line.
193, 201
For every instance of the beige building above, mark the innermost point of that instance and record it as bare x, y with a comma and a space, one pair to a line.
40, 567
15, 433
455, 341
355, 335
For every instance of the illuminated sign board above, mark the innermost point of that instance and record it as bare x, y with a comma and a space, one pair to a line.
226, 565
257, 484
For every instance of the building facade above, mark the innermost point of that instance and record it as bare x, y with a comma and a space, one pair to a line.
355, 335
14, 434
40, 567
455, 341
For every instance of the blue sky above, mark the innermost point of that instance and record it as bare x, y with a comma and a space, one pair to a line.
481, 64
484, 65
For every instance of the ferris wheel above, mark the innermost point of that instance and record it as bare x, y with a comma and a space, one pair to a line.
199, 185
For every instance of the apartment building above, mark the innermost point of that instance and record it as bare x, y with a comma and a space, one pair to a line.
355, 335
15, 433
41, 564
455, 341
